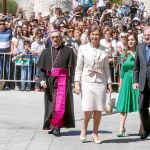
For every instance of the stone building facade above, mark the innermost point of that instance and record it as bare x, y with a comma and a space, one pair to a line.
43, 6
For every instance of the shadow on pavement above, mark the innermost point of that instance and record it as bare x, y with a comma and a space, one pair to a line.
77, 132
121, 140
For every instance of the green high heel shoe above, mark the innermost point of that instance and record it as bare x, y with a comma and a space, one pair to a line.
122, 134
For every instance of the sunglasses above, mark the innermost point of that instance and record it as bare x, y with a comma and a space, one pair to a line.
123, 36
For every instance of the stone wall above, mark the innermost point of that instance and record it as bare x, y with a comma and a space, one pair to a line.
43, 6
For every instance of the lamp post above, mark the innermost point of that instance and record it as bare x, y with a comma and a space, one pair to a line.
4, 7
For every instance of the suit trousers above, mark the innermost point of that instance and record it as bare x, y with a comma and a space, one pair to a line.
144, 104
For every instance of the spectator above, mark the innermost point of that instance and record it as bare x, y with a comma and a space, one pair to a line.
26, 66
128, 97
101, 4
5, 44
37, 47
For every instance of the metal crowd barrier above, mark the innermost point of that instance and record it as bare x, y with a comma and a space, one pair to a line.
9, 68
115, 67
11, 65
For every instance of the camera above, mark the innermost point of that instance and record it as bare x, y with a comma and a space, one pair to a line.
109, 11
108, 23
57, 23
78, 17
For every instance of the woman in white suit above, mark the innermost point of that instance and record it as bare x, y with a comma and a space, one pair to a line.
92, 79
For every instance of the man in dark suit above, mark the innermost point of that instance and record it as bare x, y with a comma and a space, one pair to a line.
142, 80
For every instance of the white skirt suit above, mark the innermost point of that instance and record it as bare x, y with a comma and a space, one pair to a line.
93, 73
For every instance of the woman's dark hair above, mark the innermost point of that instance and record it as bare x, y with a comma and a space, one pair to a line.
136, 39
27, 43
58, 9
108, 30
94, 28
16, 34
114, 30
134, 35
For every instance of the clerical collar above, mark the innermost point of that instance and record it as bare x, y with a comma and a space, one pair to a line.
57, 47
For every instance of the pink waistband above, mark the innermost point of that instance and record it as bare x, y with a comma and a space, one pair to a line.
58, 72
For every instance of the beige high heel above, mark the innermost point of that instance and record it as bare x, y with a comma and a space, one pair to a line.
96, 140
83, 138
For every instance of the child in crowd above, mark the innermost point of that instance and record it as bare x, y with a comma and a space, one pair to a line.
37, 47
26, 66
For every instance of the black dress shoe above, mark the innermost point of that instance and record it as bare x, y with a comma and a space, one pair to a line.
56, 132
50, 132
144, 135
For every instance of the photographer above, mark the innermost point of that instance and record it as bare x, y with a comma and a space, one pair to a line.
86, 4
76, 17
101, 4
133, 9
57, 16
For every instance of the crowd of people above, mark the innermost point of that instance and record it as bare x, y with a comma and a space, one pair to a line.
85, 47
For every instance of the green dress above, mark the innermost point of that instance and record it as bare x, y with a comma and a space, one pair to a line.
128, 97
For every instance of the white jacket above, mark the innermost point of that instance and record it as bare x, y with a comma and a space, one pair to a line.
90, 59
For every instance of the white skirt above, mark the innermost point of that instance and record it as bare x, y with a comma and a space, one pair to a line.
93, 96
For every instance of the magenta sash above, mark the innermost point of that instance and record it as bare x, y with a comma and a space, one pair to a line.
57, 120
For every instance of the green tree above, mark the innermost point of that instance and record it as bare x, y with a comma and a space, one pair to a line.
116, 1
12, 6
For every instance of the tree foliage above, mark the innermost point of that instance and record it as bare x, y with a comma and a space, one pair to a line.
12, 6
116, 1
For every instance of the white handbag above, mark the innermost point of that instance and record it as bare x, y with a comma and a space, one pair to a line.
108, 108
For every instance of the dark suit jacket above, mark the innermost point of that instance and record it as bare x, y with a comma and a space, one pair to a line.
141, 68
45, 64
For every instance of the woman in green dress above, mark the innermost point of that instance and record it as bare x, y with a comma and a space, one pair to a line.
128, 97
